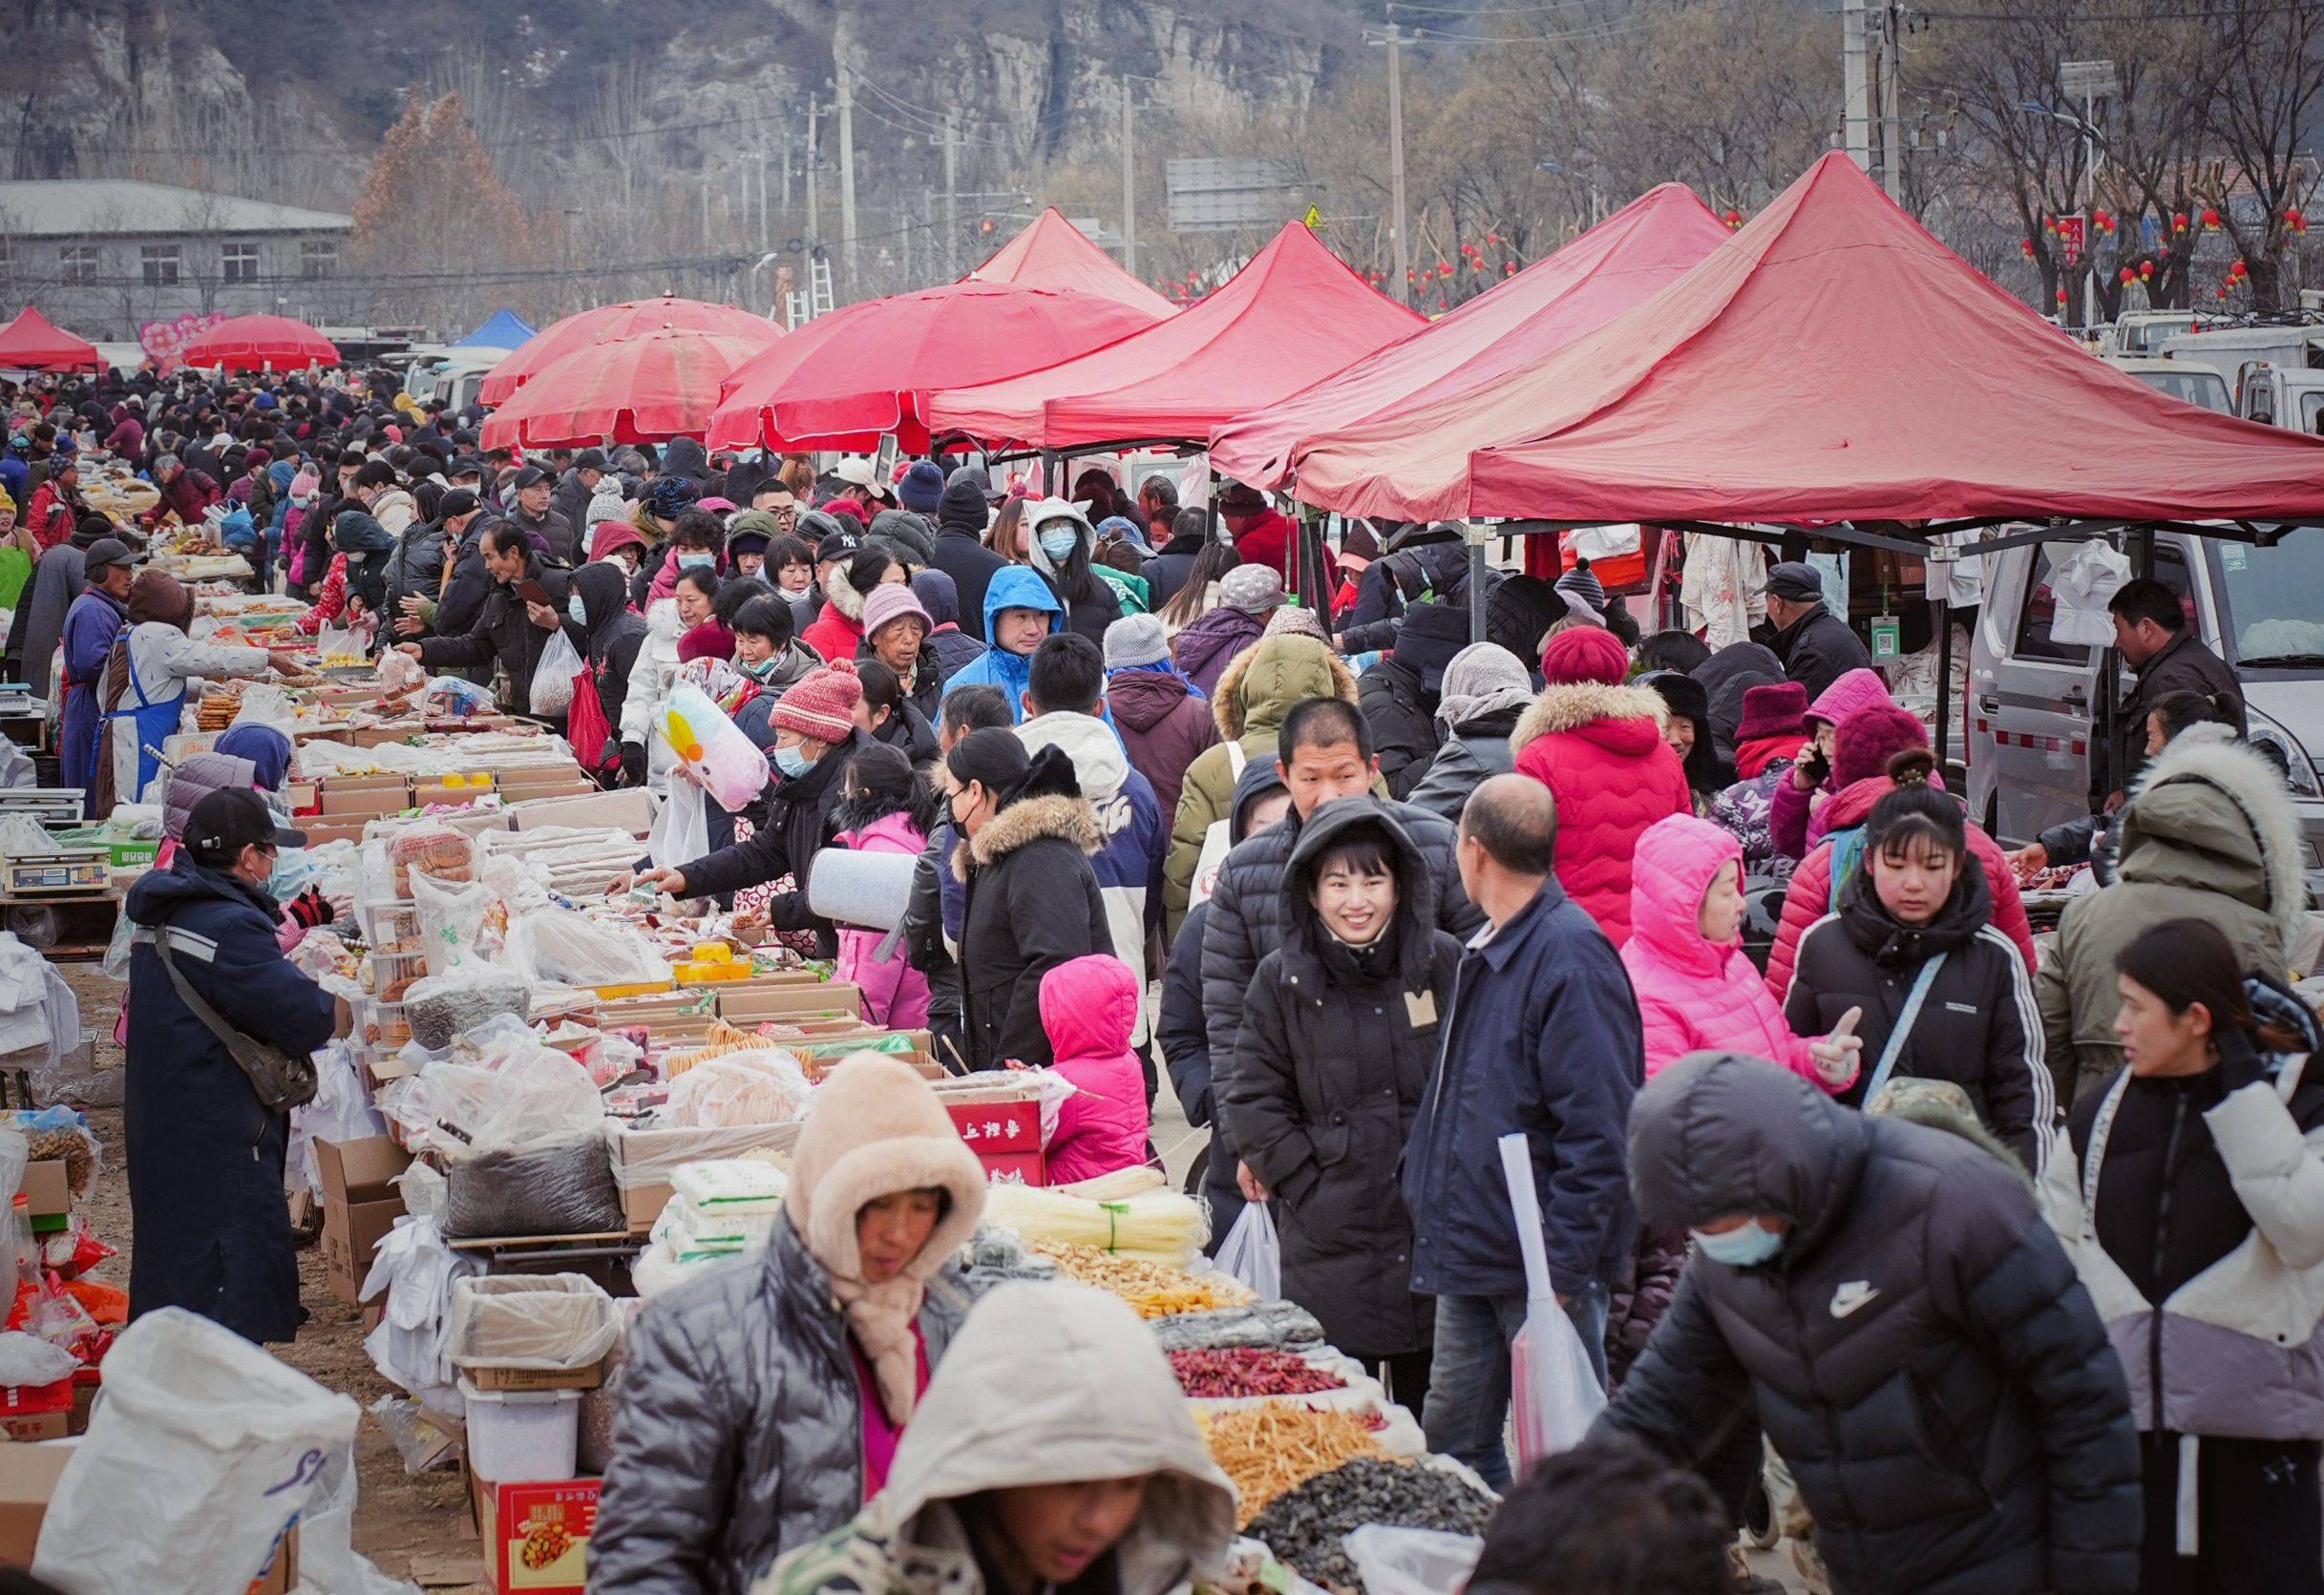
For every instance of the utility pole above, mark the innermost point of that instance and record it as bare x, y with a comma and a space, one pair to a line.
1891, 121
1401, 277
815, 224
952, 181
1856, 83
847, 174
1130, 188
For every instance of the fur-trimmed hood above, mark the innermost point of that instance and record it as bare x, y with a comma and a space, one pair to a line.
2213, 815
843, 598
1069, 819
1259, 684
1585, 705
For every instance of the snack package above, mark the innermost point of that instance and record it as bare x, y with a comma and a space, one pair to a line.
434, 851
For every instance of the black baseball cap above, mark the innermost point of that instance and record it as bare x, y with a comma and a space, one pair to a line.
232, 818
838, 545
532, 475
104, 553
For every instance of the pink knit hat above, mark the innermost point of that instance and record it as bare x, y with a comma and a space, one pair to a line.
821, 705
1585, 654
888, 600
1856, 689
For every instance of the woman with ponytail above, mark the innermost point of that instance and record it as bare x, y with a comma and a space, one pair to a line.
1943, 994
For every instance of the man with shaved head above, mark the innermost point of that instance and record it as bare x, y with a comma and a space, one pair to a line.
1542, 1039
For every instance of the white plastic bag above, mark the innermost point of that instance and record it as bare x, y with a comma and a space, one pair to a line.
1251, 1254
1554, 1387
739, 1088
682, 829
203, 1454
1411, 1560
553, 677
328, 1562
732, 768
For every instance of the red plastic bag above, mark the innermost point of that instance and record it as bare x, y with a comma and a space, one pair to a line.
587, 728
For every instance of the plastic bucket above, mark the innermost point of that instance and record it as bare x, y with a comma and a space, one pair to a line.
522, 1437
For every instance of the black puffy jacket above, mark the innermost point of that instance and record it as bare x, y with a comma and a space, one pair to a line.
502, 629
1919, 1350
785, 835
1329, 1068
1032, 904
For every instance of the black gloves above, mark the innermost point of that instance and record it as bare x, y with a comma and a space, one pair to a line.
633, 765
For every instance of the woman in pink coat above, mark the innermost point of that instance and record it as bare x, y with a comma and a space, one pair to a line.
1597, 746
1696, 990
881, 812
1090, 1009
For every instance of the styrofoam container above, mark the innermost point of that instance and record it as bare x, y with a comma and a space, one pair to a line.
523, 1436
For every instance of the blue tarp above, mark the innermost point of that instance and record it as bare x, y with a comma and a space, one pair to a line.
504, 331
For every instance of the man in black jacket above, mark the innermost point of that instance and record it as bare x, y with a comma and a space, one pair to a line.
1817, 647
512, 626
571, 496
463, 583
1398, 694
959, 549
1890, 1301
2151, 634
530, 510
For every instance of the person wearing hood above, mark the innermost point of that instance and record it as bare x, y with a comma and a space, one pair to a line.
1399, 695
1687, 727
896, 628
510, 628
1518, 614
1725, 677
1817, 646
814, 736
1863, 746
749, 534
1797, 801
1020, 612
1951, 1409
1485, 689
2210, 834
358, 537
1208, 645
1163, 723
1943, 993
206, 1153
1770, 735
154, 659
955, 649
2192, 1204
1340, 1031
959, 549
414, 567
1001, 1487
1190, 532
91, 625
764, 1401
1091, 1007
1598, 745
837, 633
1060, 545
1253, 697
1065, 697
882, 810
1031, 900
609, 635
905, 536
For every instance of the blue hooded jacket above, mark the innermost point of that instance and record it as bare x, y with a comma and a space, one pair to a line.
1015, 587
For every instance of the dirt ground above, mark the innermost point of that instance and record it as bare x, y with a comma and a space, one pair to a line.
416, 1528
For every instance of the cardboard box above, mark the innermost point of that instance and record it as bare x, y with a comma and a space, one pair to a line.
536, 1536
28, 1480
1005, 1133
364, 802
47, 1194
630, 809
642, 1204
360, 1206
342, 828
36, 1411
536, 1378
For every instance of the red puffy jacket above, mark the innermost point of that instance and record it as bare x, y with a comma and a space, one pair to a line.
1600, 750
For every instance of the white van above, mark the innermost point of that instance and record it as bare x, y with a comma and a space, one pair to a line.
2228, 350
2137, 332
2274, 396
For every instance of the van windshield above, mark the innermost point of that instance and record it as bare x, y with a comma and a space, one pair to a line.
2143, 336
2195, 385
2275, 599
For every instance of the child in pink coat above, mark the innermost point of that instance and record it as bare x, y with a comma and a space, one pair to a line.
1090, 1009
1697, 991
880, 811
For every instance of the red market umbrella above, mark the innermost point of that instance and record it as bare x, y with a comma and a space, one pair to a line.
846, 378
610, 322
647, 388
1053, 253
260, 342
32, 342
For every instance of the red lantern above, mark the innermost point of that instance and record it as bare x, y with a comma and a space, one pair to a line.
2128, 277
1508, 268
2049, 224
2294, 219
2223, 290
2178, 221
2210, 219
1493, 238
2026, 245
2147, 269
1411, 276
1477, 264
2061, 298
2237, 271
987, 225
2104, 223
1732, 217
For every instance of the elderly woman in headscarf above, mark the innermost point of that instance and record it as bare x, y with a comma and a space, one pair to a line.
1486, 688
153, 661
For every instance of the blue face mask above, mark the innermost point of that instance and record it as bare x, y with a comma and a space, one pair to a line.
792, 760
1740, 1249
1058, 544
573, 607
695, 561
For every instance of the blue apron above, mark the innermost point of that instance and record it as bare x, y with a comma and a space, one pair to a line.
155, 723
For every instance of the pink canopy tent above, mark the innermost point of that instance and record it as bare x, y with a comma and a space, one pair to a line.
33, 342
647, 388
845, 379
260, 342
1636, 251
610, 322
1294, 314
1053, 253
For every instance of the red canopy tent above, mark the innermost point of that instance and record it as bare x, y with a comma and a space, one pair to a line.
260, 342
1835, 362
33, 342
1647, 243
1053, 253
1294, 314
846, 378
647, 388
610, 322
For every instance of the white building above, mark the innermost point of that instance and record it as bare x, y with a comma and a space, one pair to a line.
103, 256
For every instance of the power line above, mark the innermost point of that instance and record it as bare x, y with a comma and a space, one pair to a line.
2221, 13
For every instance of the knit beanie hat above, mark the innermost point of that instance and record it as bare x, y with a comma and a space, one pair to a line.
1583, 585
1776, 710
1359, 543
1291, 619
1866, 740
888, 600
1136, 639
1479, 679
1585, 654
938, 594
304, 484
848, 507
922, 487
821, 705
607, 503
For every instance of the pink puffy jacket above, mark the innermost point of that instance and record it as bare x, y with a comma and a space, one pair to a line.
1089, 1008
1695, 995
1600, 752
895, 993
1809, 898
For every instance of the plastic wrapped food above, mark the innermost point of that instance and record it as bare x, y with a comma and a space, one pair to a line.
572, 949
451, 915
534, 1099
741, 1089
451, 698
536, 1321
437, 850
400, 673
59, 1133
563, 1188
1267, 1323
730, 766
439, 1008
